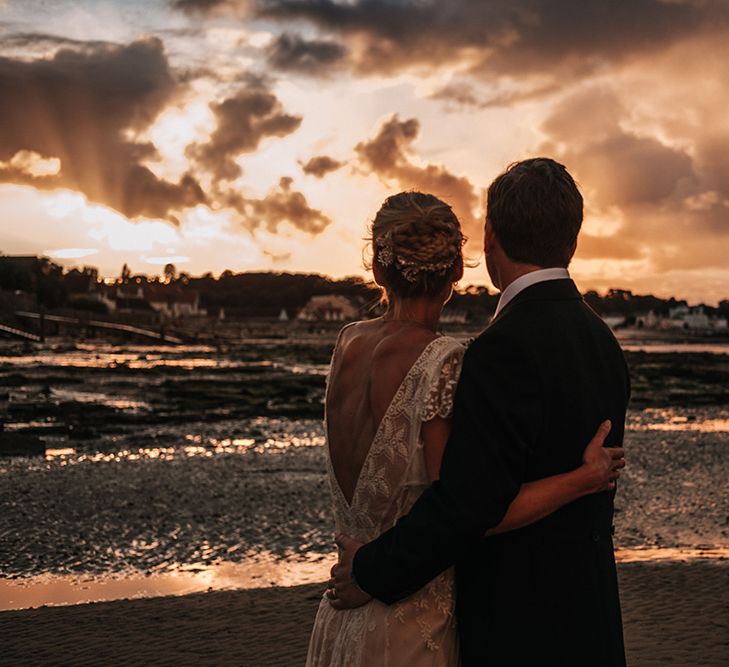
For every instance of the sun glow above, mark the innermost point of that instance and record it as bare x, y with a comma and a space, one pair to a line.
33, 164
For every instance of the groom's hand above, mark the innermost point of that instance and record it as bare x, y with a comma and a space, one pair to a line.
342, 590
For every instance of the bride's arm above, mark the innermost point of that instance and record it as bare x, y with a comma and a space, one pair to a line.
536, 500
435, 434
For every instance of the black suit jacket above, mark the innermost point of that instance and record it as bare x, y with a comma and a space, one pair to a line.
534, 387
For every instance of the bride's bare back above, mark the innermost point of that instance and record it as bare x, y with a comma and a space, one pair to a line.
371, 360
390, 385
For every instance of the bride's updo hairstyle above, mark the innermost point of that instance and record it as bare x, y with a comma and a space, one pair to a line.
416, 245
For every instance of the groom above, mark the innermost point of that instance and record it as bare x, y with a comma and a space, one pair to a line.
534, 387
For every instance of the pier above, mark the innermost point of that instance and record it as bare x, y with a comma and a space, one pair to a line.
89, 325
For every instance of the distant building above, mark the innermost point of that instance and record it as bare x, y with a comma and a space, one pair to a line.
283, 316
97, 292
328, 308
167, 300
649, 320
173, 301
683, 317
697, 319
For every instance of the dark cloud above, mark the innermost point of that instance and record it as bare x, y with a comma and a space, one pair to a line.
243, 120
199, 6
84, 107
45, 41
462, 94
503, 38
293, 52
282, 205
321, 165
387, 156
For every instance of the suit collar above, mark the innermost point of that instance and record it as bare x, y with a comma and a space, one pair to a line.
527, 280
548, 290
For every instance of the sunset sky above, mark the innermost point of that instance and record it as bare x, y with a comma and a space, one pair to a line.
264, 134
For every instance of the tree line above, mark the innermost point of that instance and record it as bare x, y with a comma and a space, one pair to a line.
266, 294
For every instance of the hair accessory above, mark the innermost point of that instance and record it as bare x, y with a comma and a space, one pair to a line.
410, 269
385, 255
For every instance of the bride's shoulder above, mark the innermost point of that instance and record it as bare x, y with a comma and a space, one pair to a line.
451, 341
448, 346
350, 331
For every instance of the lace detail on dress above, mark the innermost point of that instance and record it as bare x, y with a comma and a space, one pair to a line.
439, 399
421, 629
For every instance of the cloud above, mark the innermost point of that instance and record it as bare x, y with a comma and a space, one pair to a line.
387, 155
282, 205
321, 165
521, 37
313, 57
612, 246
40, 41
199, 6
84, 108
243, 121
620, 166
670, 210
463, 94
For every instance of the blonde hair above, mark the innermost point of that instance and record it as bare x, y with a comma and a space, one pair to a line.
417, 242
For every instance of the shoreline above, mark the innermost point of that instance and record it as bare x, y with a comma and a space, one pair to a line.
673, 614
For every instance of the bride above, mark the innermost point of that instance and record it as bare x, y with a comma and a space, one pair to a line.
388, 405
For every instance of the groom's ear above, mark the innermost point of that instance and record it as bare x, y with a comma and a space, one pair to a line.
573, 249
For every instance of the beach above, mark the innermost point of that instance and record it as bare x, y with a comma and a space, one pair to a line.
181, 514
674, 615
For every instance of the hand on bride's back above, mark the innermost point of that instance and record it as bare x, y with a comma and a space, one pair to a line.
601, 465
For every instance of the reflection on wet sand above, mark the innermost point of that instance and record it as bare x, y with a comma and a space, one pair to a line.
679, 554
260, 571
699, 420
198, 446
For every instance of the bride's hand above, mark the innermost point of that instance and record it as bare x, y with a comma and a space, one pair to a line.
601, 465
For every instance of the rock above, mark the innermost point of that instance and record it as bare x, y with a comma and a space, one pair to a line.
17, 444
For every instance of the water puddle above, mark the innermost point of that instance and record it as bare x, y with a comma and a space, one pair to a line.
675, 348
671, 554
259, 572
676, 419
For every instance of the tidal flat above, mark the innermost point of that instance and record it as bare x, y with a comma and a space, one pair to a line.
168, 458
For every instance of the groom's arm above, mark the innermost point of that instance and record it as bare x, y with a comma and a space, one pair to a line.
497, 419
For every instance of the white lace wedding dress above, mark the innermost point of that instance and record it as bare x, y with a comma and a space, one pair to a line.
419, 630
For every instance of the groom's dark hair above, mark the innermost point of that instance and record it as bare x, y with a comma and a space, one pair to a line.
535, 211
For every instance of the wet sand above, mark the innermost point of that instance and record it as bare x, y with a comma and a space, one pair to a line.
674, 615
199, 505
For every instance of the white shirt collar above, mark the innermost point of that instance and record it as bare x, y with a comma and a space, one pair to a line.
527, 280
